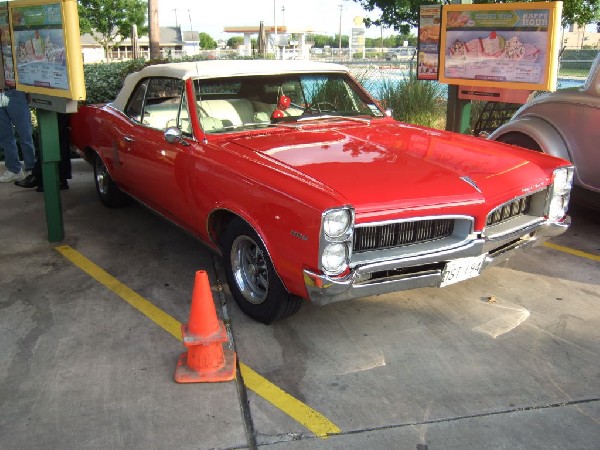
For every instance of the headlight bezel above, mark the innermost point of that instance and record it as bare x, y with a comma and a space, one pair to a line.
341, 236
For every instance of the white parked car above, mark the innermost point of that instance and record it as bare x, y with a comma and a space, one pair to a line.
400, 54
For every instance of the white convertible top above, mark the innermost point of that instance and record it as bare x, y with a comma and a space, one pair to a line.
220, 69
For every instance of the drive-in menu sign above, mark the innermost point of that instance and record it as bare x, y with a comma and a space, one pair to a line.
500, 45
46, 47
7, 75
40, 46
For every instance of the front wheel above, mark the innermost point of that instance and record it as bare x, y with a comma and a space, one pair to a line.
108, 191
253, 282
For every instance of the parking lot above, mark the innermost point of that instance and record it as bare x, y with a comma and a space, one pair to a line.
510, 359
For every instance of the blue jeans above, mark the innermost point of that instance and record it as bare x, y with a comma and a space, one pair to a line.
14, 110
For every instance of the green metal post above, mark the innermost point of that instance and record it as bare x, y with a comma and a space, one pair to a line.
458, 114
50, 156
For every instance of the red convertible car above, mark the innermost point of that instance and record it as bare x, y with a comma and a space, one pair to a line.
307, 188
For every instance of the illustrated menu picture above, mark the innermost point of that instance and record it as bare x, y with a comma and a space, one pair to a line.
500, 45
40, 46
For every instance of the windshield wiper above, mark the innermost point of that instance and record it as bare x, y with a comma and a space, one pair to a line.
333, 116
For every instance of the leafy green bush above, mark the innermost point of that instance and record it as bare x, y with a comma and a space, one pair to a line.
103, 81
415, 101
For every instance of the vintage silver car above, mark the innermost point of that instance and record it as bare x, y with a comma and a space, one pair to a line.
565, 123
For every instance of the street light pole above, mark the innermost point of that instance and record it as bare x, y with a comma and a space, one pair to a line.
275, 26
340, 33
153, 29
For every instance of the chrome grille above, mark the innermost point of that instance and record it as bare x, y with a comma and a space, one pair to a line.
509, 210
401, 233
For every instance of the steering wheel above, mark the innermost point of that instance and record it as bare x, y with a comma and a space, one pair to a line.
315, 107
325, 106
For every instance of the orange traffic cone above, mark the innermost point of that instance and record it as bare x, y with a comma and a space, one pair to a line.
205, 359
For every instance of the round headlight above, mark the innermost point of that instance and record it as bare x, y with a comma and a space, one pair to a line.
563, 179
336, 222
558, 207
335, 258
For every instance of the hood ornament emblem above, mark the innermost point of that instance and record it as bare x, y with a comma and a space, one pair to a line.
471, 182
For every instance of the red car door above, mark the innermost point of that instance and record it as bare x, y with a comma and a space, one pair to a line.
156, 171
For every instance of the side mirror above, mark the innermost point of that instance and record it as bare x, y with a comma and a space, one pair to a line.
388, 112
173, 135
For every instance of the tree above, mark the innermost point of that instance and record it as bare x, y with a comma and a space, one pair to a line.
404, 14
207, 42
580, 12
401, 15
110, 21
319, 40
235, 41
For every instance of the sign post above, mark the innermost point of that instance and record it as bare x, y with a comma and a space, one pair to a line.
45, 55
50, 154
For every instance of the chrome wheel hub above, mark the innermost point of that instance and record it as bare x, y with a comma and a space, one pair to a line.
249, 269
101, 177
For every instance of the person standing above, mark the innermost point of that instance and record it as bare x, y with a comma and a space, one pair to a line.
34, 179
14, 110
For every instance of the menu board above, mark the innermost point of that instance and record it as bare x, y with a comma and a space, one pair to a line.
7, 75
40, 46
46, 48
501, 45
429, 42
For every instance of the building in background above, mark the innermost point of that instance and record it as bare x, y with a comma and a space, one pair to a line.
576, 37
174, 42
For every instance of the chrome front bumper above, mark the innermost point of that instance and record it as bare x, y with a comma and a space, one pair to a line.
424, 270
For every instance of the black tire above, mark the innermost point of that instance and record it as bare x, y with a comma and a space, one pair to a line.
108, 192
520, 140
253, 282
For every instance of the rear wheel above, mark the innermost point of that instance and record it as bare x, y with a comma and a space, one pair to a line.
253, 282
108, 192
520, 140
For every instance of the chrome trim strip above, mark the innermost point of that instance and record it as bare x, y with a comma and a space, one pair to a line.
322, 289
414, 219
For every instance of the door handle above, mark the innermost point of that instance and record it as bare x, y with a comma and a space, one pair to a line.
128, 138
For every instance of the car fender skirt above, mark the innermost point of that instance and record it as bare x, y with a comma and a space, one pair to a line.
547, 137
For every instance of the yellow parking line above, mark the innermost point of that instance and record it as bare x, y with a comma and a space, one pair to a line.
311, 419
155, 314
304, 414
572, 251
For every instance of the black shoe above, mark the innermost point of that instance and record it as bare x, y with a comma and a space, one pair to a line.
30, 181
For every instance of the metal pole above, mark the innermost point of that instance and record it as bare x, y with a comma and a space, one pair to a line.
153, 29
275, 43
50, 156
340, 34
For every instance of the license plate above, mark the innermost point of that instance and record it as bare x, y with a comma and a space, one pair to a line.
461, 269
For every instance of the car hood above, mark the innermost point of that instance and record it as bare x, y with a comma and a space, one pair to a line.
398, 166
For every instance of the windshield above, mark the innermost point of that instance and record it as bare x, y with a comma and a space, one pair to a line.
231, 104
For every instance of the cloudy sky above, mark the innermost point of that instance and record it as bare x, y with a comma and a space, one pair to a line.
322, 16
